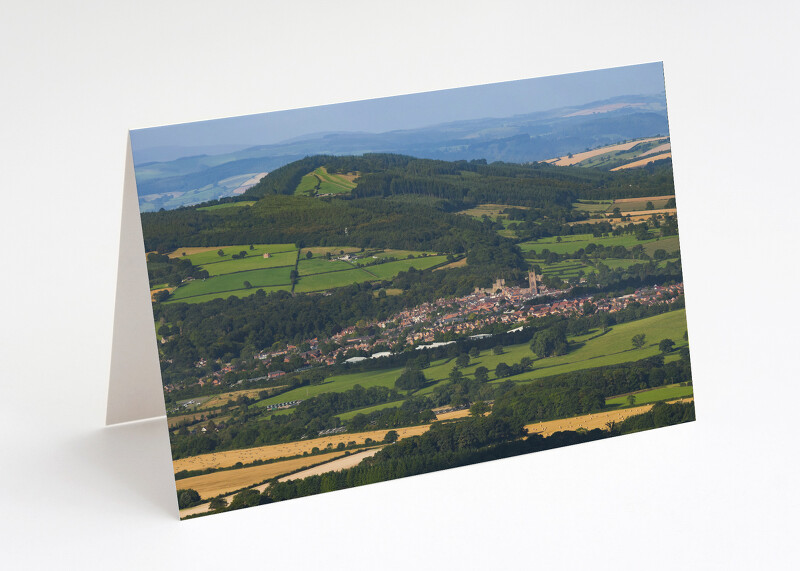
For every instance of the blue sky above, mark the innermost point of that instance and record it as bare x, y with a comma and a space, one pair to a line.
412, 111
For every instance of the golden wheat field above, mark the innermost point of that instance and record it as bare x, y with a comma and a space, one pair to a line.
248, 455
579, 157
211, 485
642, 162
589, 421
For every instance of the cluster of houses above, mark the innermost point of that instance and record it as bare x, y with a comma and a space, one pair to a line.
422, 325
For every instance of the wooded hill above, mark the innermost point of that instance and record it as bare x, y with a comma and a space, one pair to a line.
398, 202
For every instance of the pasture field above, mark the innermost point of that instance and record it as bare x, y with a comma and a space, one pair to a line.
227, 294
592, 208
640, 204
390, 291
330, 280
233, 282
228, 205
391, 269
350, 414
572, 268
308, 184
490, 210
571, 244
334, 250
216, 483
307, 267
324, 182
670, 392
669, 244
399, 254
338, 384
272, 451
254, 262
200, 256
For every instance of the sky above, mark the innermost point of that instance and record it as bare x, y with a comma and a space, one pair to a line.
411, 111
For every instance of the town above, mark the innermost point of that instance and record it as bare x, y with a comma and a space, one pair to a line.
437, 323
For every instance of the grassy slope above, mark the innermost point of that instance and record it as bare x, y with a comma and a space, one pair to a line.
229, 266
669, 392
259, 249
329, 280
391, 269
230, 282
611, 348
228, 205
570, 244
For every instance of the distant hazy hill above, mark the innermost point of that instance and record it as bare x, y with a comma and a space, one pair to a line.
518, 139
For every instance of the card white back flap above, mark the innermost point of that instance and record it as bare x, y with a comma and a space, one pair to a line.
134, 389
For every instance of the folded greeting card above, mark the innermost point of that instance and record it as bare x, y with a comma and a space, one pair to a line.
348, 294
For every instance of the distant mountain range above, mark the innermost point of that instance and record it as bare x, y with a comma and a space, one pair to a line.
518, 139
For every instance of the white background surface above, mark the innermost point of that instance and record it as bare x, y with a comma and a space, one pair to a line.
716, 494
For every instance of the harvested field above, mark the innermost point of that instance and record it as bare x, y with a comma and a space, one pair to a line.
579, 157
176, 420
211, 485
153, 292
220, 399
590, 421
335, 466
603, 109
659, 149
454, 414
457, 264
490, 210
643, 162
247, 455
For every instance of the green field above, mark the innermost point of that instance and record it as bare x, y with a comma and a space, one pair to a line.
228, 205
670, 392
329, 280
592, 208
350, 414
391, 269
233, 282
211, 256
227, 294
571, 244
322, 182
258, 261
593, 350
338, 384
320, 266
399, 254
669, 244
333, 250
570, 268
637, 205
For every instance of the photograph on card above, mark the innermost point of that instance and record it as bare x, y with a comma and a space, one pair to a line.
353, 293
